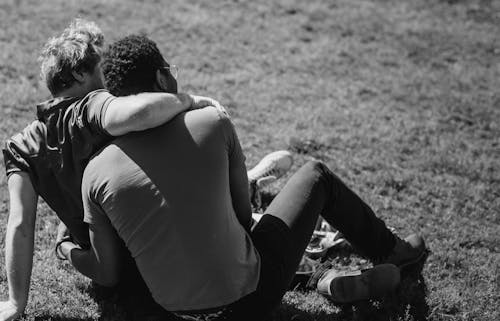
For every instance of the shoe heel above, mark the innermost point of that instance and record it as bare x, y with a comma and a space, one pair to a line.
369, 284
383, 279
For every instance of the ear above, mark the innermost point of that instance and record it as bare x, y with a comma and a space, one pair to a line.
161, 80
79, 76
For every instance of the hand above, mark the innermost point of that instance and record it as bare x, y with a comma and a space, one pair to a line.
202, 101
63, 235
9, 311
64, 250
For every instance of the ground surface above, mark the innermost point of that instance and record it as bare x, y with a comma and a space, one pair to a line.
400, 98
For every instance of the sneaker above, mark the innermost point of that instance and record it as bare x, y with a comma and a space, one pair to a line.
268, 170
306, 266
271, 167
352, 286
407, 252
322, 241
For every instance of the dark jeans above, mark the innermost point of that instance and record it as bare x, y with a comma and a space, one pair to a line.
282, 235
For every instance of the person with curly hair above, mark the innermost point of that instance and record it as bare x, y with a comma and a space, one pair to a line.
177, 196
48, 157
132, 66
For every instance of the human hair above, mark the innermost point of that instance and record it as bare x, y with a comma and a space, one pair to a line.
130, 64
78, 48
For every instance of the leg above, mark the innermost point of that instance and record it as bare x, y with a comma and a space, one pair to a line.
282, 235
315, 190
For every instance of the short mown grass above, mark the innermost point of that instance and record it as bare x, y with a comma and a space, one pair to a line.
400, 98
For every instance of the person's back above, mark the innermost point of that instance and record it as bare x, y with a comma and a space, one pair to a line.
54, 150
167, 193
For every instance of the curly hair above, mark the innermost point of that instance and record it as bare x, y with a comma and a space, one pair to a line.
78, 48
129, 65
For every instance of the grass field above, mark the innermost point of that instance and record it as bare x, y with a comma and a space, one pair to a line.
401, 98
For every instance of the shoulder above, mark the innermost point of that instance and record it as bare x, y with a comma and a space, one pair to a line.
94, 174
101, 162
99, 93
94, 99
29, 140
210, 116
106, 162
20, 149
91, 110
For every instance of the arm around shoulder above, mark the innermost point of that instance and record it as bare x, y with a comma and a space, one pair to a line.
148, 110
143, 111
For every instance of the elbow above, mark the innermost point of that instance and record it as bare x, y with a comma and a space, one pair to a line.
108, 274
22, 225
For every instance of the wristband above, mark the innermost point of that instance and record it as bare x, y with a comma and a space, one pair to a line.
59, 255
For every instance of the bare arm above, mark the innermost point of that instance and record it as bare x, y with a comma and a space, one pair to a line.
19, 242
102, 261
148, 110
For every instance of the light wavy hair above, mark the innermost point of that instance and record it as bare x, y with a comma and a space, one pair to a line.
78, 48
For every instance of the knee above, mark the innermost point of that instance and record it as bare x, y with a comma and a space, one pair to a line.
319, 169
316, 166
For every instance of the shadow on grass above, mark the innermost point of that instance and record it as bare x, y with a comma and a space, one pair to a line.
408, 303
107, 300
132, 301
413, 293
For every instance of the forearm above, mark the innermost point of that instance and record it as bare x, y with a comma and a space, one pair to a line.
86, 262
164, 109
166, 106
18, 261
149, 110
143, 111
